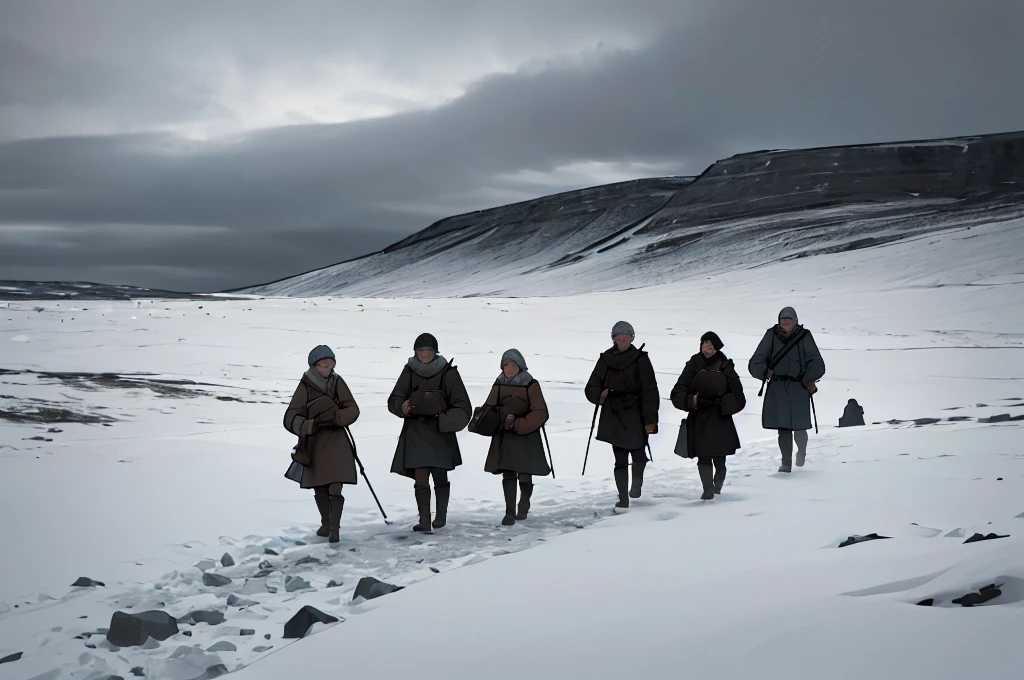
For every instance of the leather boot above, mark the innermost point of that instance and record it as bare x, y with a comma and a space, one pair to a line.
707, 481
508, 485
525, 491
321, 498
336, 505
443, 492
423, 505
719, 477
621, 482
638, 481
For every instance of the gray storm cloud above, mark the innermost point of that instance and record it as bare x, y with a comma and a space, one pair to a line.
107, 183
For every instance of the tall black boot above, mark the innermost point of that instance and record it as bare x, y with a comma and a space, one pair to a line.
423, 505
525, 491
638, 480
443, 492
508, 485
322, 504
719, 475
621, 482
336, 505
707, 481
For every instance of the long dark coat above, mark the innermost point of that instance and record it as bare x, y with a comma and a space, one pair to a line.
633, 398
429, 441
520, 450
710, 430
331, 453
787, 403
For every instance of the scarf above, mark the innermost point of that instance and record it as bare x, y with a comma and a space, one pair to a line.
427, 370
520, 379
318, 381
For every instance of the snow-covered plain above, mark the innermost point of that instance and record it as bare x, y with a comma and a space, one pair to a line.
750, 585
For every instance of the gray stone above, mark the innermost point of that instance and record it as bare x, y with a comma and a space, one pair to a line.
226, 560
308, 559
11, 657
335, 584
262, 648
369, 588
213, 618
270, 551
215, 580
222, 646
293, 583
300, 624
132, 630
84, 582
205, 565
236, 601
138, 671
247, 631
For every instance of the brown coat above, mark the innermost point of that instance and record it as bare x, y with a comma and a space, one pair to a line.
520, 449
330, 450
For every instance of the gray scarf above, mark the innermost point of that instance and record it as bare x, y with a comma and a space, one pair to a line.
427, 370
520, 379
317, 380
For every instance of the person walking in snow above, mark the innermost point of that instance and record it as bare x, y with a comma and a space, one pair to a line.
709, 390
517, 450
433, 404
624, 385
788, 359
321, 409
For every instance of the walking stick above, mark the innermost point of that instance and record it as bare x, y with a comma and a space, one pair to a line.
362, 471
551, 460
593, 421
815, 413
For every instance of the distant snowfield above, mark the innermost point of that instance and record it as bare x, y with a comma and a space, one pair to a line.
158, 476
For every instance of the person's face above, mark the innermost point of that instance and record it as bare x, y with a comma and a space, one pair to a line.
510, 368
787, 324
325, 366
425, 355
622, 341
708, 349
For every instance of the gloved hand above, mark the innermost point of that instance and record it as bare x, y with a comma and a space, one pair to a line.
510, 422
811, 386
310, 427
325, 419
651, 428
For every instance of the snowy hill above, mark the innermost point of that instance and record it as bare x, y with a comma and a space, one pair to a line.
746, 211
140, 441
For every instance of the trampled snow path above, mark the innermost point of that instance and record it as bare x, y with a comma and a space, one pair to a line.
127, 479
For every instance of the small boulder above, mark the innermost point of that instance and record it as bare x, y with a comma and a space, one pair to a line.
247, 631
84, 582
335, 584
215, 580
11, 657
300, 624
293, 583
369, 588
861, 539
270, 551
226, 560
205, 565
978, 537
927, 602
986, 593
260, 649
236, 601
222, 646
213, 618
308, 559
138, 671
132, 630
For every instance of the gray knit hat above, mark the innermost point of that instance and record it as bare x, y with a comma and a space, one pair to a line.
320, 352
623, 327
789, 313
515, 356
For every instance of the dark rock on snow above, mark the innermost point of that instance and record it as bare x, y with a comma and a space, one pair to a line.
11, 657
215, 580
270, 551
222, 646
247, 631
861, 539
260, 649
335, 584
927, 603
300, 624
978, 537
226, 561
132, 630
308, 559
294, 583
84, 582
986, 593
370, 588
138, 671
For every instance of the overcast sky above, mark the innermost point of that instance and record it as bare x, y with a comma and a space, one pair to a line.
201, 146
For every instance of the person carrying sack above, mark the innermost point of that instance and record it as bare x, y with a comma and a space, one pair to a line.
788, 359
710, 391
321, 409
512, 416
